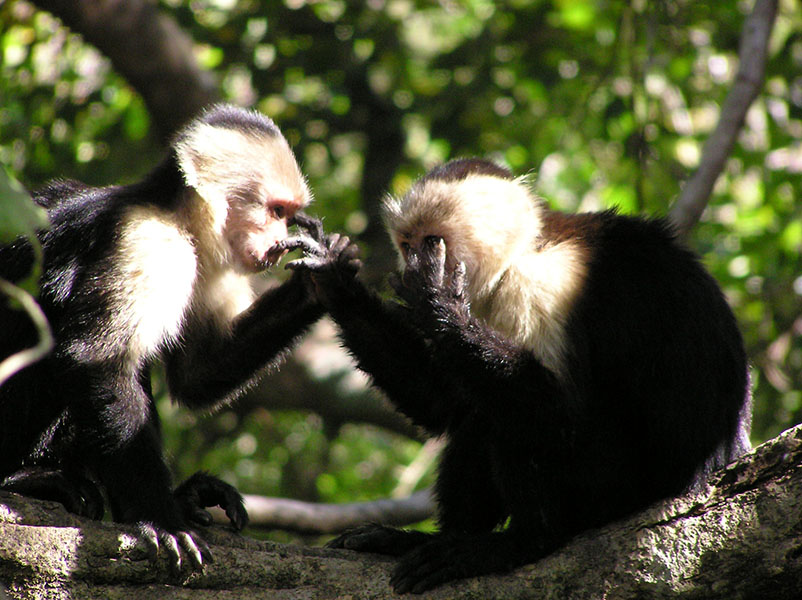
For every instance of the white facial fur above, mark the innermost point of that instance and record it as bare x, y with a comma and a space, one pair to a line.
240, 177
518, 283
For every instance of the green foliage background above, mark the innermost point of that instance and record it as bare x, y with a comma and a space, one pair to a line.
600, 103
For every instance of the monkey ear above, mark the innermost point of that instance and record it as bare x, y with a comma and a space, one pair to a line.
203, 159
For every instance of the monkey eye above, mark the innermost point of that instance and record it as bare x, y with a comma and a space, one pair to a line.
404, 247
278, 211
432, 240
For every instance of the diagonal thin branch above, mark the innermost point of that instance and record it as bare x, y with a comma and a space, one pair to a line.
748, 83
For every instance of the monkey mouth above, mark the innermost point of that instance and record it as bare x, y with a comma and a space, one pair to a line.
273, 256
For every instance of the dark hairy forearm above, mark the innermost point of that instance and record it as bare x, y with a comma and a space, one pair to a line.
387, 345
212, 366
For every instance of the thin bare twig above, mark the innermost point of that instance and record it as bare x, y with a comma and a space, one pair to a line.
748, 82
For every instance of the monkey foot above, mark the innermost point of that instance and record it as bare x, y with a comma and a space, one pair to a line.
175, 544
379, 540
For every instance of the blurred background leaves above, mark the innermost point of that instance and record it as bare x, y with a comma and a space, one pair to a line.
598, 103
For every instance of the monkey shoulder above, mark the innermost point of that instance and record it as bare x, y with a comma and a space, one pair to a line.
119, 271
633, 250
155, 266
644, 285
57, 190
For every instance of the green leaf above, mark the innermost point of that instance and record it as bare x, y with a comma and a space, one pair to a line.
18, 213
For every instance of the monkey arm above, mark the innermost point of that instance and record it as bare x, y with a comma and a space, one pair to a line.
380, 335
387, 346
211, 366
472, 353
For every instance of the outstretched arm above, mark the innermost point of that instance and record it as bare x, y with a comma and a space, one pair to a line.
213, 366
382, 336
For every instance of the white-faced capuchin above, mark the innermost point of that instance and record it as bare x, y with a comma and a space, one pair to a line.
157, 270
581, 366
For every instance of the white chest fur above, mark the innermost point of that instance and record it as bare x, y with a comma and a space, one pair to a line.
156, 271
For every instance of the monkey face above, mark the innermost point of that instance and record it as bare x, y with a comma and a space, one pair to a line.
250, 186
253, 230
413, 247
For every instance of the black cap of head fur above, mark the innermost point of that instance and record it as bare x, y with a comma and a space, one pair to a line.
227, 116
460, 168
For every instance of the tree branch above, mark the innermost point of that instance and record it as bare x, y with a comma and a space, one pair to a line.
319, 518
149, 49
739, 538
748, 82
292, 388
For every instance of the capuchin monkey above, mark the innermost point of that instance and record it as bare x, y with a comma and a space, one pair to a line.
157, 270
581, 366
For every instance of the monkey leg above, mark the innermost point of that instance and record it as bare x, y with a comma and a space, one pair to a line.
379, 540
78, 494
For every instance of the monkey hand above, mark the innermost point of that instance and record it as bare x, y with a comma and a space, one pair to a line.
429, 286
203, 490
332, 261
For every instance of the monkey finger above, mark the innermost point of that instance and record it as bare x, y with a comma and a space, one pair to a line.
205, 549
199, 516
168, 541
457, 282
332, 240
433, 260
342, 242
348, 256
309, 263
312, 224
303, 242
351, 250
413, 263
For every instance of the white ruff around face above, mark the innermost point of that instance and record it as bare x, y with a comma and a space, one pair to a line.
518, 283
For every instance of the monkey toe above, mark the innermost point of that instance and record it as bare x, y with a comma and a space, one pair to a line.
378, 539
175, 545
